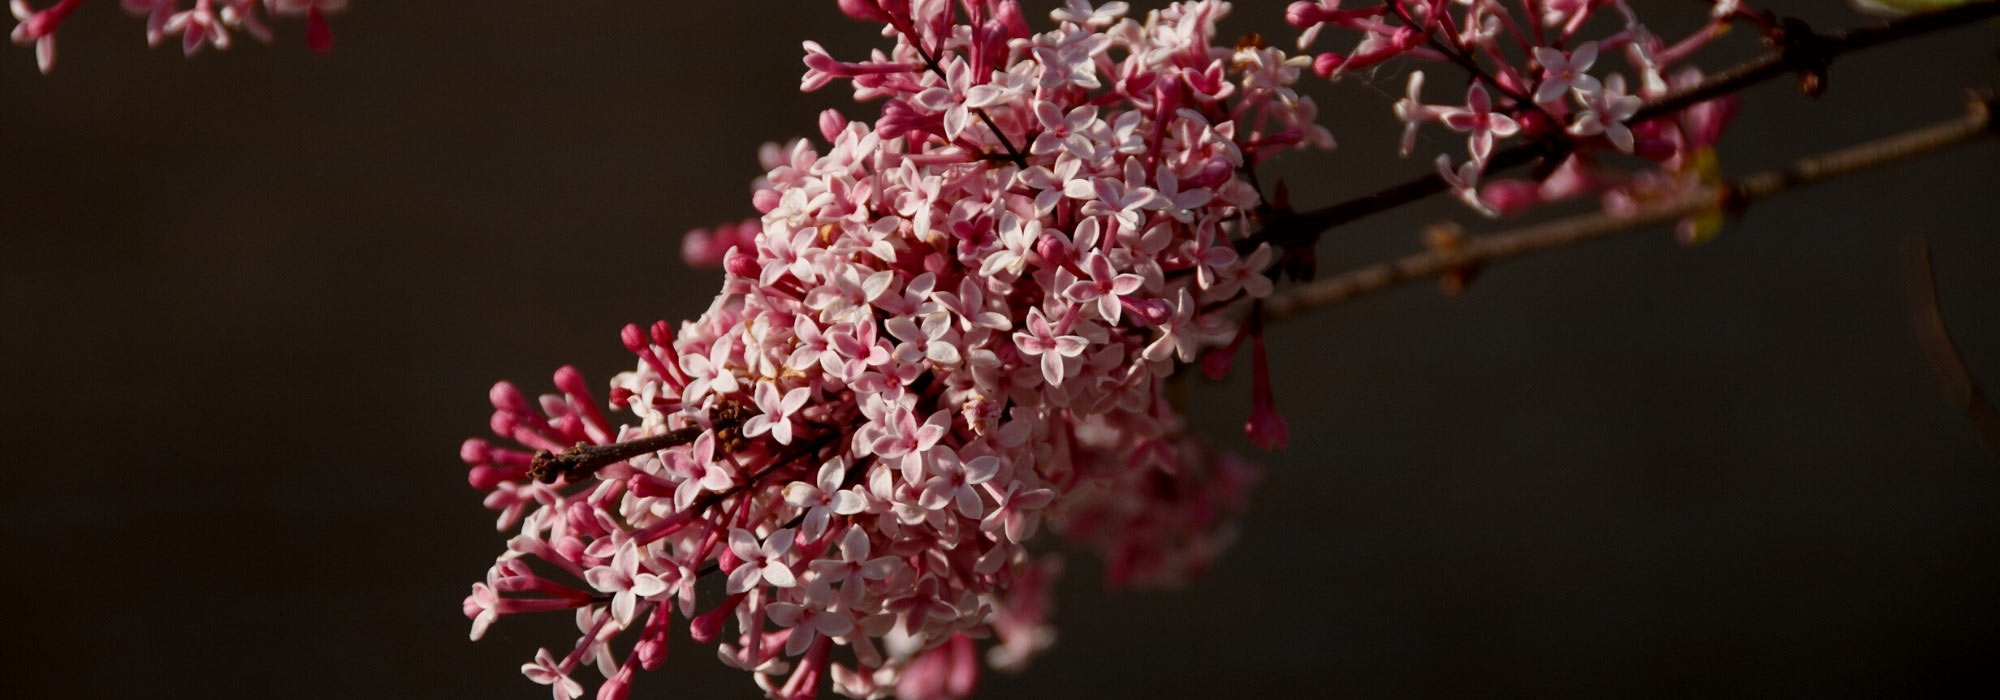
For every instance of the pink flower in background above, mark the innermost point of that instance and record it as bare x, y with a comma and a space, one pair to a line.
38, 28
199, 23
1480, 121
1565, 72
1606, 113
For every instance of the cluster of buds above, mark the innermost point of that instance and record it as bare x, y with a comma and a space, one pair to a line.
948, 326
202, 23
1529, 68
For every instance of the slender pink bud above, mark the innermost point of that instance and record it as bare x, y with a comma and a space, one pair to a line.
1010, 15
652, 647
898, 118
1266, 426
506, 397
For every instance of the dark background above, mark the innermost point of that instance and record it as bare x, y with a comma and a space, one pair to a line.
251, 303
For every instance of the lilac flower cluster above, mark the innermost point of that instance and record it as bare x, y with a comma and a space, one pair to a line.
956, 321
205, 23
1530, 68
948, 325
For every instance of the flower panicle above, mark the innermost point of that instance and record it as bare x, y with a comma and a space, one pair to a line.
950, 326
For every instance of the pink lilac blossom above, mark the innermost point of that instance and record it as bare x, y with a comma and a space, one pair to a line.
201, 24
948, 326
954, 323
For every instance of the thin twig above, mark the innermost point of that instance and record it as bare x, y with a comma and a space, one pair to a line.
1014, 154
1929, 318
1801, 50
1729, 196
584, 459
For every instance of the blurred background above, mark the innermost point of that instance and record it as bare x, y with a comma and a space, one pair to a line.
251, 303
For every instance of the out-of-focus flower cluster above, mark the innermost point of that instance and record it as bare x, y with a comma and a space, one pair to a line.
949, 325
1534, 76
198, 23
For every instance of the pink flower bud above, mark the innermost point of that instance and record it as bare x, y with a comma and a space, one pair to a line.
1215, 363
1511, 196
1009, 14
475, 451
484, 478
704, 628
634, 339
741, 263
1304, 14
1055, 250
1325, 64
1266, 426
570, 548
570, 381
652, 646
864, 10
1152, 311
506, 397
898, 118
502, 423
831, 123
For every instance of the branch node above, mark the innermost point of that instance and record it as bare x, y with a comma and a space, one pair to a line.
1808, 52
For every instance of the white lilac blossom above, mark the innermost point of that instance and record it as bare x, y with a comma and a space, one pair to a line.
199, 23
